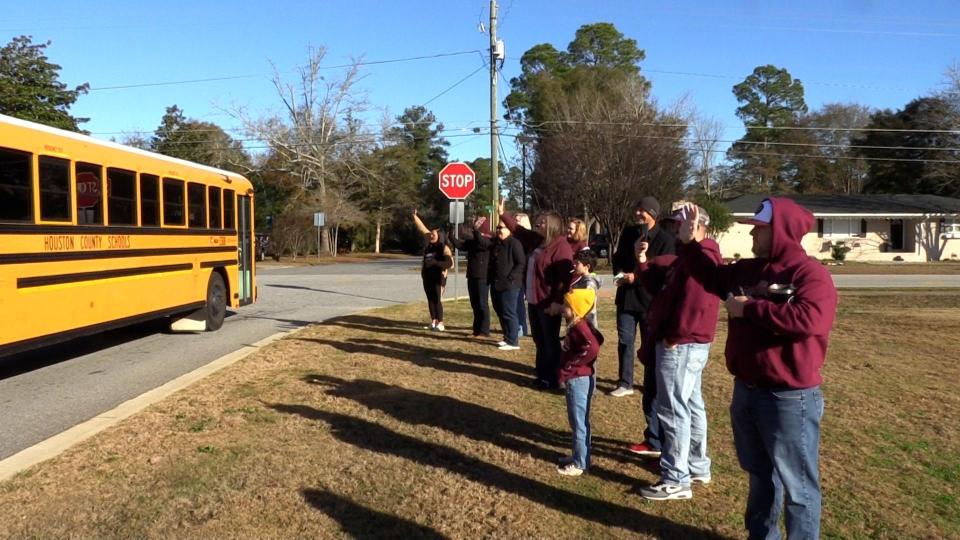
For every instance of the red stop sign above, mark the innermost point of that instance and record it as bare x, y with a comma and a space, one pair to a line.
457, 180
88, 190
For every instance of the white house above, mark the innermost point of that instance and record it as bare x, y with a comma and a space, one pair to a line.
873, 227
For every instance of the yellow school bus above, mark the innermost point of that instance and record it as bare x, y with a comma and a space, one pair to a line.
96, 235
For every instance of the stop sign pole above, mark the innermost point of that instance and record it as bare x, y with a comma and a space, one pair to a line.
456, 180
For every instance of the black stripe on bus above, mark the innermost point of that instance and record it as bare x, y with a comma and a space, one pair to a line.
8, 228
15, 258
214, 264
51, 339
39, 281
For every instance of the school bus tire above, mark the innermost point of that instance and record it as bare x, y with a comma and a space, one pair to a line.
216, 308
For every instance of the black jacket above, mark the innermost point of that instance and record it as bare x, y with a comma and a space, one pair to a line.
635, 297
508, 263
478, 252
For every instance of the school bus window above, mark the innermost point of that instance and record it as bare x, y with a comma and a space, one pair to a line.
54, 189
229, 199
16, 186
89, 194
121, 197
197, 203
213, 195
173, 207
149, 200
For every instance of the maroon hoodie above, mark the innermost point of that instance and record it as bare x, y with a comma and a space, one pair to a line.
552, 272
775, 345
579, 350
682, 311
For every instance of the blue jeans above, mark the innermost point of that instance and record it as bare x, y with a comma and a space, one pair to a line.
505, 304
680, 410
579, 396
523, 329
777, 435
627, 323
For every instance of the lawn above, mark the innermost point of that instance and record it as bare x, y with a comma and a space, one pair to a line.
371, 426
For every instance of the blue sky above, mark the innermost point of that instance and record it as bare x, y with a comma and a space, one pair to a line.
880, 54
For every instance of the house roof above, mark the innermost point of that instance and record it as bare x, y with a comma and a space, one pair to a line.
874, 205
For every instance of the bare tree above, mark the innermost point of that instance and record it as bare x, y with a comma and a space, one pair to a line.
609, 147
705, 134
308, 136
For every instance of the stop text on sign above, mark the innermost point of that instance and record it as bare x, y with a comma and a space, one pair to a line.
457, 180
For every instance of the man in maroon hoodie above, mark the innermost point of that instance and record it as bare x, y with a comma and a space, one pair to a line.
781, 306
681, 323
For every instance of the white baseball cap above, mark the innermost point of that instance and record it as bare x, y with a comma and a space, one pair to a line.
762, 217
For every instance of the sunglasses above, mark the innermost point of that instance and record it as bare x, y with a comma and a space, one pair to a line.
501, 228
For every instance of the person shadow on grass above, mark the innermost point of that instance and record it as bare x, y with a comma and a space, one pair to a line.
376, 438
469, 420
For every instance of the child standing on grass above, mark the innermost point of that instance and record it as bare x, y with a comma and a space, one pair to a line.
579, 351
584, 261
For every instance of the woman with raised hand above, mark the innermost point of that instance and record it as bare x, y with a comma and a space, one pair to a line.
549, 266
437, 259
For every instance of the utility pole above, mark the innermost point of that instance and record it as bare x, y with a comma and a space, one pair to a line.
523, 140
494, 166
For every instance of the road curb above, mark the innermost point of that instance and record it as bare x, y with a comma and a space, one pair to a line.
60, 442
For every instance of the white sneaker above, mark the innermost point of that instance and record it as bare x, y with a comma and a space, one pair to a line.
432, 326
501, 343
569, 470
621, 392
705, 479
666, 492
508, 347
439, 327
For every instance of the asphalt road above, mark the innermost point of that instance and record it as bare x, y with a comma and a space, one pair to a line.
46, 391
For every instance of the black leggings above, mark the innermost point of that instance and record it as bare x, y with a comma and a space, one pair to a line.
432, 287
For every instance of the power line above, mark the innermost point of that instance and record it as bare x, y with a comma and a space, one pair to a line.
454, 85
771, 128
235, 77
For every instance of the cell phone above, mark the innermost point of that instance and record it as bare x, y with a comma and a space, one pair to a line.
644, 231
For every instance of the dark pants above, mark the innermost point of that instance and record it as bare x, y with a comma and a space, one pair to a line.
777, 436
479, 290
432, 287
505, 304
628, 322
546, 336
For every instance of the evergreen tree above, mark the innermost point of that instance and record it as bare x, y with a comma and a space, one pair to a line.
770, 98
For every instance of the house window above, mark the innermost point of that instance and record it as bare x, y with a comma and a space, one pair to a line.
843, 228
950, 228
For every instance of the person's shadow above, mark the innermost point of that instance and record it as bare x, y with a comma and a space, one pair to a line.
361, 522
476, 422
451, 361
376, 438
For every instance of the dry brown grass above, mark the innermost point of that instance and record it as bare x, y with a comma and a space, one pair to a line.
371, 426
896, 268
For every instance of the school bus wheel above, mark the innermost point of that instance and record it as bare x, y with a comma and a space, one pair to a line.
216, 301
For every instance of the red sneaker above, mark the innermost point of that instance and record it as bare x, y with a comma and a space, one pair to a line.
644, 449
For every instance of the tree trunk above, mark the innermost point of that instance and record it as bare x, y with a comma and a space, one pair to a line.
376, 241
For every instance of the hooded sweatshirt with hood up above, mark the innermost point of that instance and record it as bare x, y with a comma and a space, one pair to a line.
775, 344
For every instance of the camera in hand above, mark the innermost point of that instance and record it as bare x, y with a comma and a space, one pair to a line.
781, 293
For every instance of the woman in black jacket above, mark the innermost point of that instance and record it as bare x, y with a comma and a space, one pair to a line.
477, 246
507, 264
